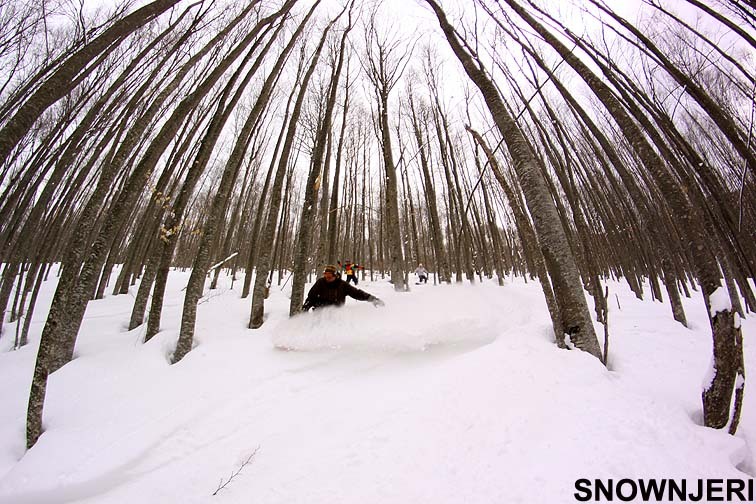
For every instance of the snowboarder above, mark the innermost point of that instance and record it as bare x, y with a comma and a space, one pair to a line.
350, 269
332, 291
422, 274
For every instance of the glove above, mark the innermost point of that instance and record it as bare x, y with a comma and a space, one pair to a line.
377, 302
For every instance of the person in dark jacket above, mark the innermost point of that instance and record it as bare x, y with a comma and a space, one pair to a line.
332, 291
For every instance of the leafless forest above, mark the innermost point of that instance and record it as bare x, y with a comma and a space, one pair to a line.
556, 141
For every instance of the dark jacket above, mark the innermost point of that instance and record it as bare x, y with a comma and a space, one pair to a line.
325, 293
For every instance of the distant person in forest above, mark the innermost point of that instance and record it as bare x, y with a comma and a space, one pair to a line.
350, 270
422, 273
329, 290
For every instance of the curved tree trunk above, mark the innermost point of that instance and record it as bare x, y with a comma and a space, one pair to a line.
69, 303
552, 240
717, 395
72, 71
304, 237
201, 263
265, 262
437, 238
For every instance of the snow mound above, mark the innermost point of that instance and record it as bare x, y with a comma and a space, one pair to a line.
407, 323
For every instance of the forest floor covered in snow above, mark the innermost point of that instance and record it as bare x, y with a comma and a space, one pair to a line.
448, 394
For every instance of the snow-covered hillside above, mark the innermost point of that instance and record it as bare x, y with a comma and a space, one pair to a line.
448, 394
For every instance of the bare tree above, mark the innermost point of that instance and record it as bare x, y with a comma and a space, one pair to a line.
725, 333
552, 240
265, 261
73, 71
304, 236
384, 63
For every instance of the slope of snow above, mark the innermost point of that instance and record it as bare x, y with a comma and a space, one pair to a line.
447, 394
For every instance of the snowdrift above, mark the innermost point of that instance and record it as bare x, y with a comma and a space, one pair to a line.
448, 394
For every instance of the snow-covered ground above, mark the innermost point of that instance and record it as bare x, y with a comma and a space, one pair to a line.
448, 394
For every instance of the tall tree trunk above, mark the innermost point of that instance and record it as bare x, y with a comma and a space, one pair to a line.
529, 240
265, 261
437, 238
72, 72
333, 207
69, 304
304, 236
718, 393
576, 320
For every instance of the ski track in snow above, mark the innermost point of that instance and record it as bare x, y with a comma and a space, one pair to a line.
447, 394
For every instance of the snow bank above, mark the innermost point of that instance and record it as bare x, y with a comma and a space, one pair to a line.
448, 394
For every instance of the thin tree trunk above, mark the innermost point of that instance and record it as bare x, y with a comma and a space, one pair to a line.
196, 282
265, 261
304, 236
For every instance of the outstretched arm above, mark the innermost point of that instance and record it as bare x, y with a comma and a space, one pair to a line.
361, 295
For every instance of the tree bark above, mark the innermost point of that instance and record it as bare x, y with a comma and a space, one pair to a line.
265, 261
304, 236
72, 71
576, 320
717, 395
